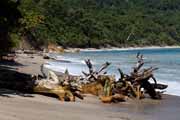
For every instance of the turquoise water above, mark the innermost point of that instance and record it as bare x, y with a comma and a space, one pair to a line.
166, 59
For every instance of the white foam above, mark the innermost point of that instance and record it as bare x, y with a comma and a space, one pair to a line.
55, 67
173, 87
73, 69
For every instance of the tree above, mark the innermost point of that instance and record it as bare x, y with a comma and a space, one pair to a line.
9, 15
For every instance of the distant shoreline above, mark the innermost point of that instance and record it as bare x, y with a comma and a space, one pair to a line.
125, 48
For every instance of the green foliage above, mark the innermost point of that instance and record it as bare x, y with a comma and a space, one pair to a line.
31, 20
15, 39
9, 15
100, 23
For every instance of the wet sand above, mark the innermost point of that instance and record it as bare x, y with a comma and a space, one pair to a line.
33, 107
166, 109
40, 107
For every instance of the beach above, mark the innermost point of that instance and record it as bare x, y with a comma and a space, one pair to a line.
34, 106
46, 108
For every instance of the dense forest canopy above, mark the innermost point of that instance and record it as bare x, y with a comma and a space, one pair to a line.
94, 23
9, 16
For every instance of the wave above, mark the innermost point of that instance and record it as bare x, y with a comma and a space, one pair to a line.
69, 60
173, 88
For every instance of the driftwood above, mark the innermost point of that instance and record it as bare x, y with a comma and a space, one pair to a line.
103, 88
113, 98
130, 85
25, 83
101, 84
97, 80
98, 83
93, 74
93, 88
68, 87
64, 87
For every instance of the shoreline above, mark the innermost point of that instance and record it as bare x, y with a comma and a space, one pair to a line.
31, 64
76, 60
126, 48
46, 108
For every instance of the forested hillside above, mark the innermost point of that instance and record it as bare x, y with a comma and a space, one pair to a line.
99, 23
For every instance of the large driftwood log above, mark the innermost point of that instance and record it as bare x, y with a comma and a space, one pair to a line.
101, 84
131, 85
65, 87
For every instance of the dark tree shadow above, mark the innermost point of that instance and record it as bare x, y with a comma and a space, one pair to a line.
15, 83
8, 93
9, 17
9, 63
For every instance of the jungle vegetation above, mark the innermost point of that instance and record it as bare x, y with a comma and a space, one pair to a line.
90, 23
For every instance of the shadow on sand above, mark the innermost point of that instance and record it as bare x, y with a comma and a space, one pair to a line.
13, 82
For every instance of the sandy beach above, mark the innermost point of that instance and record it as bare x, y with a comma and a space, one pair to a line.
39, 107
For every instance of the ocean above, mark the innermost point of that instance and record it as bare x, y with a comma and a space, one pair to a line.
166, 59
